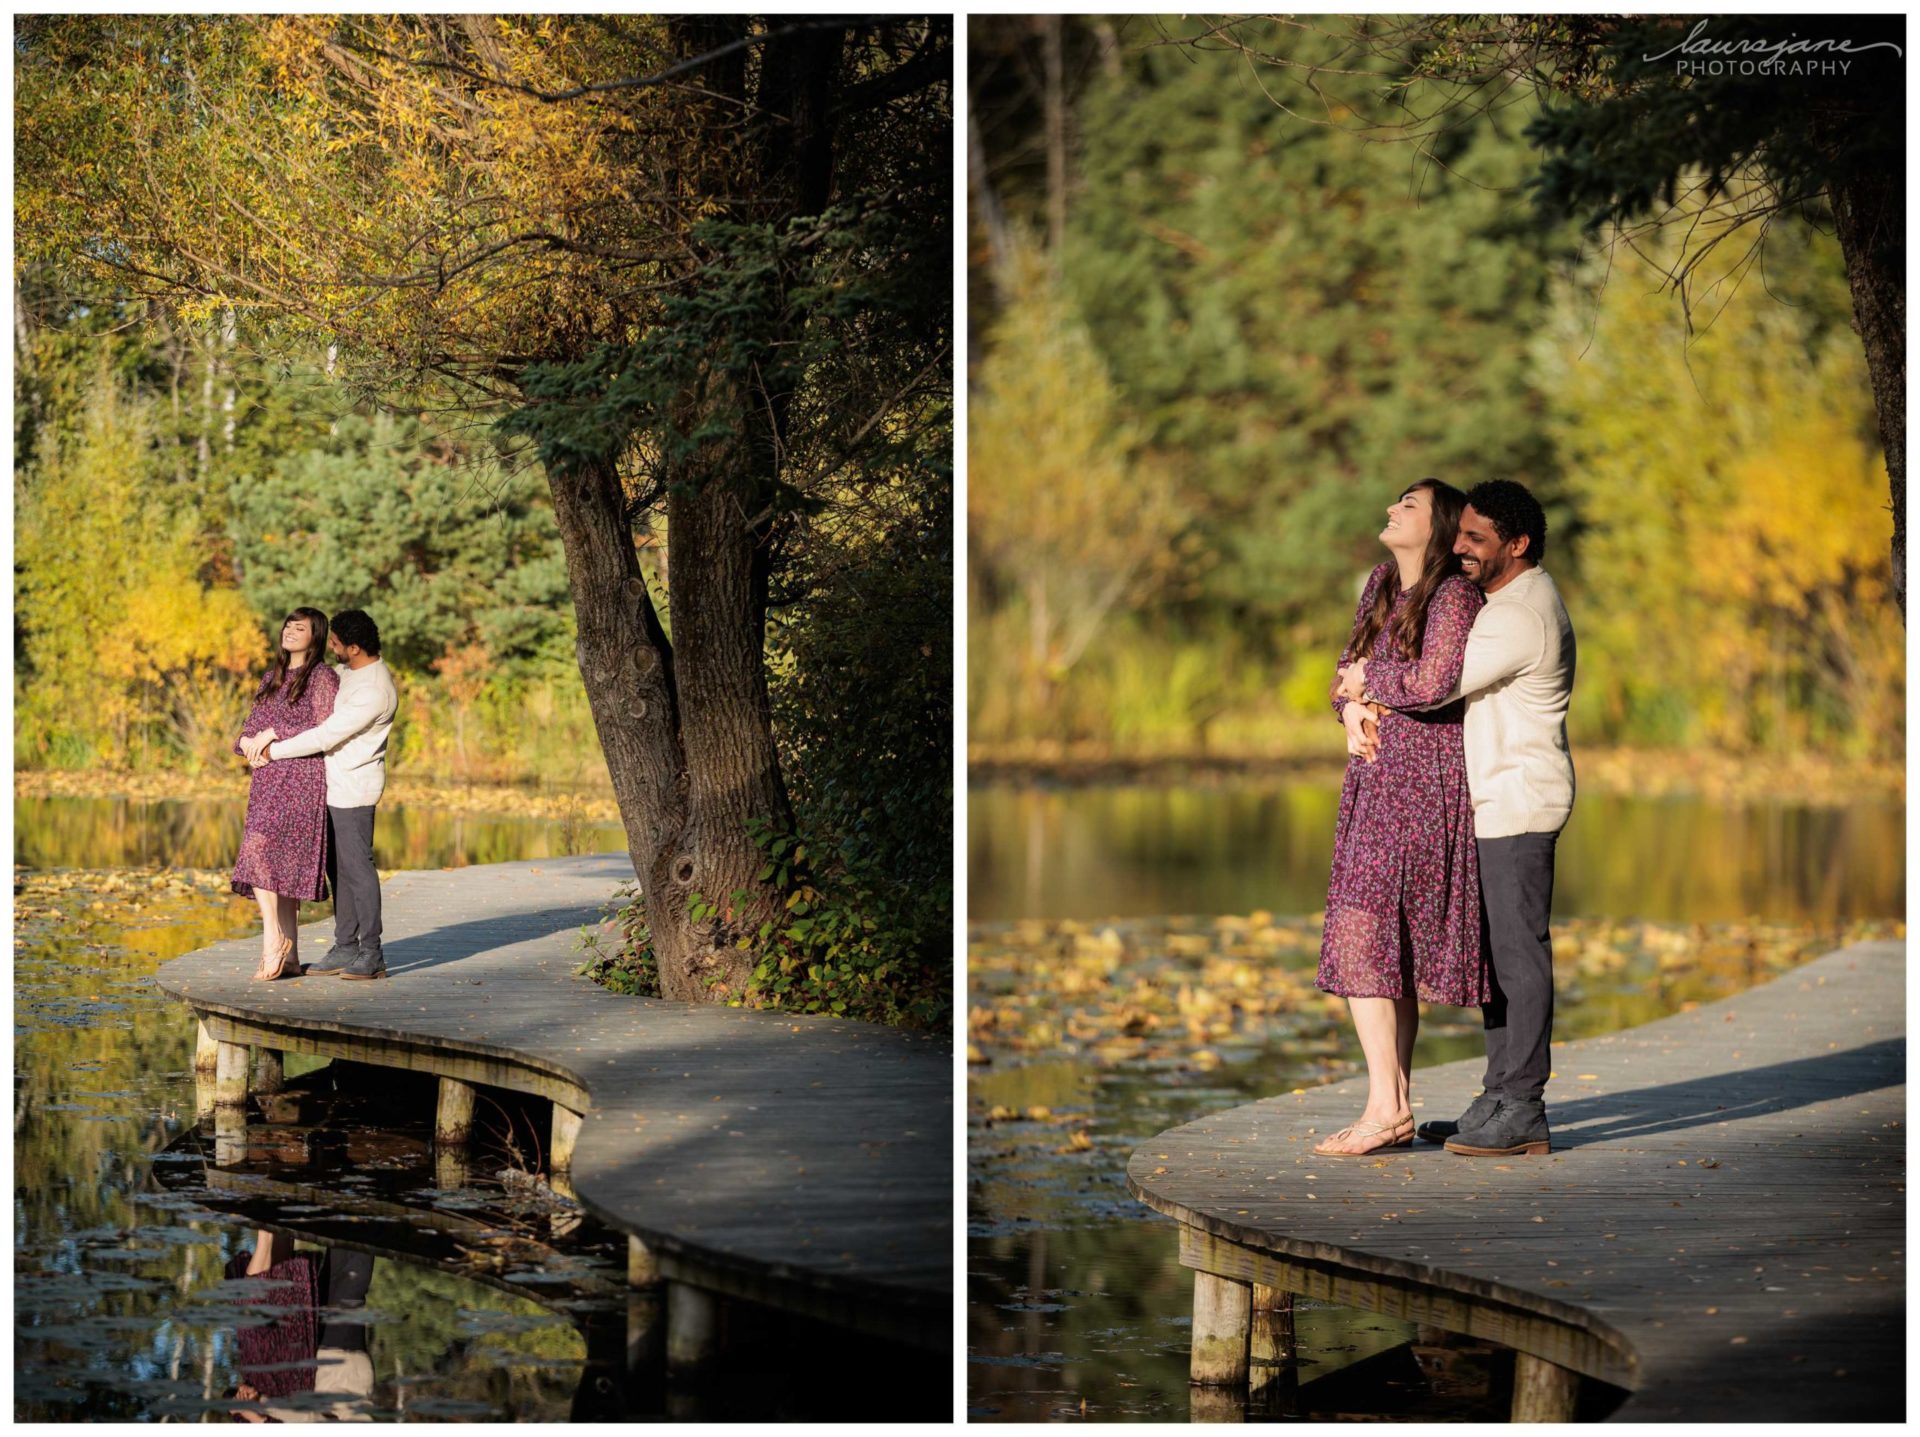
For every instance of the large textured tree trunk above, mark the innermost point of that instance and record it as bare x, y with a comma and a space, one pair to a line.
628, 669
1869, 218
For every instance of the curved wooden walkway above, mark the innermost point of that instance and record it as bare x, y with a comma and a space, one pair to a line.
802, 1162
1720, 1228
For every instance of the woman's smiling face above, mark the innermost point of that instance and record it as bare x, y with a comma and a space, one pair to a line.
1409, 522
296, 634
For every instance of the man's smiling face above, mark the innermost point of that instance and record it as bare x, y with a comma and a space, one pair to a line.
1484, 557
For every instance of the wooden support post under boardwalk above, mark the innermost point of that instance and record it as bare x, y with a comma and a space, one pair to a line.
566, 1130
694, 1326
206, 1051
1271, 1350
1543, 1391
230, 1076
453, 1116
1222, 1330
270, 1071
643, 1268
230, 1104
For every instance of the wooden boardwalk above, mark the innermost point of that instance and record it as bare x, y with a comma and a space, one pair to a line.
1720, 1228
801, 1162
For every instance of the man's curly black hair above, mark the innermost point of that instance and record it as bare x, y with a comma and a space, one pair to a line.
354, 627
1512, 511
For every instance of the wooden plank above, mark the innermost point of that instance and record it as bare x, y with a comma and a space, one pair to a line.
807, 1159
1725, 1199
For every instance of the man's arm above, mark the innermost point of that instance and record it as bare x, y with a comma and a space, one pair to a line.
352, 712
1504, 640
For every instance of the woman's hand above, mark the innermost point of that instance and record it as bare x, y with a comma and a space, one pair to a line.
1353, 680
1363, 734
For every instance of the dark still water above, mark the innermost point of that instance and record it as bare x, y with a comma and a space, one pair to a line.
1140, 851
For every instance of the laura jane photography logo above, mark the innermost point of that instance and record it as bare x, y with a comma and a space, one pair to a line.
1700, 54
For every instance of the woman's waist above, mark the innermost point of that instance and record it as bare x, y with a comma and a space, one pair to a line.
1453, 715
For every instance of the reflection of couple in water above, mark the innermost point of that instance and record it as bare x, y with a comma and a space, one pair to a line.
313, 1344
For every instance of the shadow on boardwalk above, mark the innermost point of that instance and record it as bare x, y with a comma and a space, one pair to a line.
1711, 1100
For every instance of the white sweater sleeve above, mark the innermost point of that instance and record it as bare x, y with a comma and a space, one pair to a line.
353, 710
1506, 638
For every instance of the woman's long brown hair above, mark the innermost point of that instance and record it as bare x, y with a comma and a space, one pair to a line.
1438, 564
277, 675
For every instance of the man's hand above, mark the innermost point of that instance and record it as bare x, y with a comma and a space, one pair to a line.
1353, 680
1363, 734
252, 747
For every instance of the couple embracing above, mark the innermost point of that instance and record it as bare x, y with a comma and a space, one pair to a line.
1453, 687
316, 739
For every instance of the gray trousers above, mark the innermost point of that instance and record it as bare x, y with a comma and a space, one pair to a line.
351, 875
1516, 898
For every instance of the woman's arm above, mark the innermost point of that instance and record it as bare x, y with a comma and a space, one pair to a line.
1367, 596
1432, 678
255, 722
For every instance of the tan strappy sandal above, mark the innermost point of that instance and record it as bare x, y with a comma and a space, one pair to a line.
285, 965
1398, 1134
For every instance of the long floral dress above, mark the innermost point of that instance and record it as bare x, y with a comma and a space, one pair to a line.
1403, 901
283, 848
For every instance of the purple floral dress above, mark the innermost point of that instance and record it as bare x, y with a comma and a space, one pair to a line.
1403, 902
284, 846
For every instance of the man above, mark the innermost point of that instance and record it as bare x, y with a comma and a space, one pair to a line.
354, 739
1517, 678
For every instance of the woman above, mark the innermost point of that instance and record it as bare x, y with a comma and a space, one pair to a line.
283, 850
1403, 902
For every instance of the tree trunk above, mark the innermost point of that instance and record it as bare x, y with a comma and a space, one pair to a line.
627, 668
1869, 220
733, 771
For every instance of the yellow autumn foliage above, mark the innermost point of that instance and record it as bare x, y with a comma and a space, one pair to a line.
125, 650
1733, 562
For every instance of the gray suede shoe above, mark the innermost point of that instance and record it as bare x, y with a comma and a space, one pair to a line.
335, 958
1518, 1125
369, 963
1478, 1111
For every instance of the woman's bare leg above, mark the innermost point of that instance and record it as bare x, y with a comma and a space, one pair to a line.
270, 929
1377, 1022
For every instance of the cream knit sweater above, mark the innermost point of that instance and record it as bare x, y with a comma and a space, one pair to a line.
1517, 677
353, 736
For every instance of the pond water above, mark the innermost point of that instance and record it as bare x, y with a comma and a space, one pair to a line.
1135, 851
123, 1230
1091, 1032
